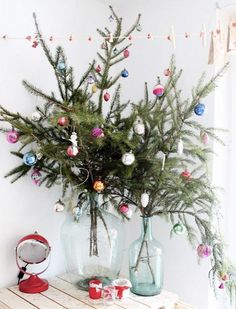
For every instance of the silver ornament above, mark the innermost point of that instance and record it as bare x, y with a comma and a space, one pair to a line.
59, 206
144, 200
39, 155
139, 127
128, 158
36, 116
180, 147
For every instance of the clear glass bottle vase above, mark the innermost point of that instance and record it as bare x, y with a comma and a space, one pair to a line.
146, 262
93, 244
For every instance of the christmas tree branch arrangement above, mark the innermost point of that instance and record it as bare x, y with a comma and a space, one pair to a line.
154, 158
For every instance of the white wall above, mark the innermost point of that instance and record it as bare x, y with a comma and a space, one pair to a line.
26, 208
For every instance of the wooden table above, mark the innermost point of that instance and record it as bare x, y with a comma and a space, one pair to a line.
62, 294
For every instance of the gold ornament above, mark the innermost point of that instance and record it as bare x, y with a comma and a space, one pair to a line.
98, 186
94, 88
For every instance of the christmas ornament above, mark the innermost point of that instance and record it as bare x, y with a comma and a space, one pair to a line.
106, 96
59, 206
104, 46
12, 136
221, 286
98, 69
129, 214
115, 51
94, 89
72, 151
111, 18
39, 155
179, 228
128, 158
123, 208
77, 212
61, 66
204, 251
144, 199
167, 72
158, 90
204, 138
63, 121
139, 28
224, 277
126, 53
90, 79
97, 132
180, 147
186, 174
36, 176
98, 186
139, 127
199, 109
29, 159
36, 116
124, 73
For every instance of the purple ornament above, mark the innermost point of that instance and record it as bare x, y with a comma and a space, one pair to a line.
221, 286
204, 251
13, 136
36, 177
97, 132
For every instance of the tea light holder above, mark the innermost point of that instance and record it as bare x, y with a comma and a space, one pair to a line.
122, 287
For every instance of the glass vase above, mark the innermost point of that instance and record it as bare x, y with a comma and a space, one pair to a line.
93, 244
146, 262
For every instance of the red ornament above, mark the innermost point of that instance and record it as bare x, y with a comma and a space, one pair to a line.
63, 121
28, 37
35, 44
186, 174
106, 96
98, 69
95, 289
126, 53
123, 208
158, 90
72, 151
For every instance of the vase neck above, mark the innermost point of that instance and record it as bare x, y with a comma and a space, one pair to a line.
94, 200
146, 227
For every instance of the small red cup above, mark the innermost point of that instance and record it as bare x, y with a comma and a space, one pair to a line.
95, 289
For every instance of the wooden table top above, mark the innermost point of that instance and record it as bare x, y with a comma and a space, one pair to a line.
62, 294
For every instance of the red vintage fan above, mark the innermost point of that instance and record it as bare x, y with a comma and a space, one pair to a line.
32, 249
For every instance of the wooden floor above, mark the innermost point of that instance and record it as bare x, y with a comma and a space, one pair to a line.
62, 294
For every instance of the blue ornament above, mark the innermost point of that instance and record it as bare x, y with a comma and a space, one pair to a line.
61, 66
199, 109
30, 158
91, 79
124, 73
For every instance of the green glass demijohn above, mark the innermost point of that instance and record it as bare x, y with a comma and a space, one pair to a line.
146, 262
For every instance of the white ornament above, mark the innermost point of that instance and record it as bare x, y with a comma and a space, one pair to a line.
128, 158
59, 206
39, 155
180, 147
77, 211
204, 138
36, 116
144, 200
139, 127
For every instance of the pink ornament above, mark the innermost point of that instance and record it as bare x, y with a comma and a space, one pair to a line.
126, 53
123, 208
98, 69
106, 96
36, 177
204, 251
204, 138
13, 136
158, 90
186, 174
63, 121
97, 132
72, 151
221, 286
167, 72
